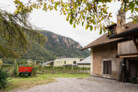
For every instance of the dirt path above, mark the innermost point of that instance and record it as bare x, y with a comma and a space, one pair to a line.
83, 85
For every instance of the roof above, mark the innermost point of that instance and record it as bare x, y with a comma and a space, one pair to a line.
129, 25
48, 62
67, 58
131, 29
111, 26
86, 61
101, 41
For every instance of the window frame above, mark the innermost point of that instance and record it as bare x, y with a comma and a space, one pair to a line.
107, 67
75, 62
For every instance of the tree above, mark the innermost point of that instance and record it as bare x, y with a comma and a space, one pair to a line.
91, 13
15, 30
15, 33
1, 62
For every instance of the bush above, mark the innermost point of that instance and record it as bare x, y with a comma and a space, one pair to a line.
22, 62
133, 80
34, 71
1, 62
3, 79
15, 70
6, 65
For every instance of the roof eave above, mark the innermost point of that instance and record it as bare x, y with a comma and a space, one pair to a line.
133, 31
100, 44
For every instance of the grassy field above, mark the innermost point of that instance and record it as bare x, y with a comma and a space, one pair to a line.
25, 83
65, 70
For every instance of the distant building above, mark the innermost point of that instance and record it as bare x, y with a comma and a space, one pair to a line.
85, 63
48, 63
29, 61
66, 62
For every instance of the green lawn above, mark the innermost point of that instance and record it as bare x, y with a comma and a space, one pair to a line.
39, 80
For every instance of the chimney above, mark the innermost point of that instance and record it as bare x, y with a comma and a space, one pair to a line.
121, 21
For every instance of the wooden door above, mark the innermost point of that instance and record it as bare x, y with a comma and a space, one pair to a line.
133, 69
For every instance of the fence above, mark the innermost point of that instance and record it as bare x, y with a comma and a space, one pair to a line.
52, 70
66, 70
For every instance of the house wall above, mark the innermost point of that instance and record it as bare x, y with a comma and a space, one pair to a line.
105, 52
60, 62
127, 47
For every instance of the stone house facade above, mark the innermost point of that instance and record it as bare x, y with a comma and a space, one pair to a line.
106, 62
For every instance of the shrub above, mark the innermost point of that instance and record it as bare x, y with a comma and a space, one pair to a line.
34, 71
3, 79
133, 80
1, 62
15, 70
22, 62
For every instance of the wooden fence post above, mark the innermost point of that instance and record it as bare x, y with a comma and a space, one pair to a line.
72, 68
53, 68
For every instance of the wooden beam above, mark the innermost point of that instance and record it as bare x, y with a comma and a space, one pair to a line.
135, 41
127, 55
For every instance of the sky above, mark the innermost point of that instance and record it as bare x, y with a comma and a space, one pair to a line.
54, 22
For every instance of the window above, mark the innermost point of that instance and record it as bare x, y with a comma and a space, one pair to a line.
107, 67
74, 62
64, 62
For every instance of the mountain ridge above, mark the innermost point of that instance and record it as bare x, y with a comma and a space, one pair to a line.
56, 46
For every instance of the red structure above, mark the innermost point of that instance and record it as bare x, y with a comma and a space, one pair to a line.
25, 71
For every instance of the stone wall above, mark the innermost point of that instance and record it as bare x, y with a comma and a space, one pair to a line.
102, 53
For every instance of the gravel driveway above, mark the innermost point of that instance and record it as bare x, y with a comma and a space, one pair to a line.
83, 85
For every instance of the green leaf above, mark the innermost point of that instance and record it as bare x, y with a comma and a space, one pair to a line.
101, 31
82, 23
55, 6
45, 5
52, 1
16, 12
109, 32
67, 19
86, 27
71, 21
74, 26
136, 9
91, 27
131, 5
137, 2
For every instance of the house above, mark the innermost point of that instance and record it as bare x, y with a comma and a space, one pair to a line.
29, 61
115, 54
66, 62
85, 63
48, 63
128, 52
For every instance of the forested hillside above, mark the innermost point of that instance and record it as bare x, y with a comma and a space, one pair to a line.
56, 46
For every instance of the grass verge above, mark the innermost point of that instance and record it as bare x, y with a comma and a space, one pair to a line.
24, 83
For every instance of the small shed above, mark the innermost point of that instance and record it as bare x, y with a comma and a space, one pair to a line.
85, 63
48, 63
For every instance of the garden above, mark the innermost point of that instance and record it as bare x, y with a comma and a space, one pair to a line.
10, 79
